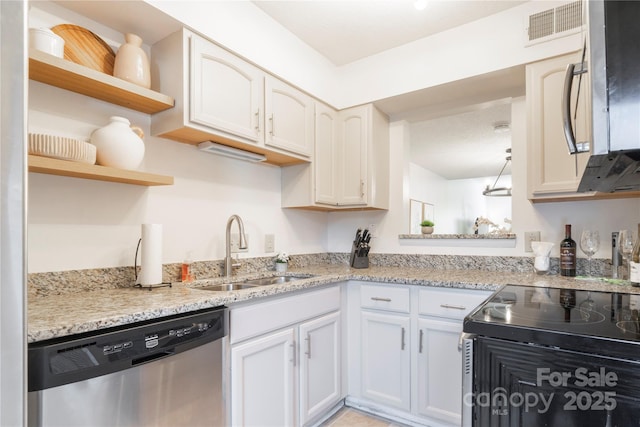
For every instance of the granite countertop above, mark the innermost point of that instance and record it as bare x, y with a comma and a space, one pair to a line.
62, 315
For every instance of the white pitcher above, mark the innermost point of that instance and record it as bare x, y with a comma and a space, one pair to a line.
119, 145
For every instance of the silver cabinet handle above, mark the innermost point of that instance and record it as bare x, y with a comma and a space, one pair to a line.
455, 307
566, 107
258, 120
308, 353
293, 353
381, 299
402, 343
420, 341
272, 131
361, 188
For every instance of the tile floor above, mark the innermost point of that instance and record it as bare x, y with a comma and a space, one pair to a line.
349, 417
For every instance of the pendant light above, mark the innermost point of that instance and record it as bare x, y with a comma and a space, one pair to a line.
499, 191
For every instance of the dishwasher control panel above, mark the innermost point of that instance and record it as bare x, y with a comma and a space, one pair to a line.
61, 361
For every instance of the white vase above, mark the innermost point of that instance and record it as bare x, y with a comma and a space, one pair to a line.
426, 230
118, 144
131, 63
281, 267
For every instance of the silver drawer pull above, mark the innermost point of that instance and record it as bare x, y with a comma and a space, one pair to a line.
308, 353
456, 307
420, 341
402, 342
381, 299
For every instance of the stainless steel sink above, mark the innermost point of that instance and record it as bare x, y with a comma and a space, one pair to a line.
225, 287
247, 284
274, 280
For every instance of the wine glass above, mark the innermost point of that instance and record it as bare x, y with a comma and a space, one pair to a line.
625, 246
590, 243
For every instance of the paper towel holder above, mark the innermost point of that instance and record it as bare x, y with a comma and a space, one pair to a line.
135, 270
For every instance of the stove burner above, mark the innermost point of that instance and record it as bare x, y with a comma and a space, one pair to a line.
631, 327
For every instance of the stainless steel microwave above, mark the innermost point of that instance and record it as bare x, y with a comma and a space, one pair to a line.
614, 67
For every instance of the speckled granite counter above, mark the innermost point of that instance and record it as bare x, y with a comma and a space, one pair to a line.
67, 314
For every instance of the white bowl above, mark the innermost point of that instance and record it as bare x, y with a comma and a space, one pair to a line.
59, 147
47, 41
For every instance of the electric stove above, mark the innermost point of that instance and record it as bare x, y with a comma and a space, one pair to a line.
605, 322
535, 356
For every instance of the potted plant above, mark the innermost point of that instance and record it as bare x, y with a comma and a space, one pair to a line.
427, 226
282, 260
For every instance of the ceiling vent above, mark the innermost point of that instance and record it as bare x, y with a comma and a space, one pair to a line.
554, 23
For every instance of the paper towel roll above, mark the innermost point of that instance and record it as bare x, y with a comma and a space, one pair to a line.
151, 262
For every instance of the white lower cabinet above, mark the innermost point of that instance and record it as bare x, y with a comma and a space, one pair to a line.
263, 381
385, 359
320, 366
289, 376
403, 359
439, 376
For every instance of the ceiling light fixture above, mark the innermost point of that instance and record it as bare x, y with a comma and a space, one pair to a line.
499, 191
420, 4
234, 153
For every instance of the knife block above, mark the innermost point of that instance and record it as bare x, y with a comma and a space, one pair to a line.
358, 261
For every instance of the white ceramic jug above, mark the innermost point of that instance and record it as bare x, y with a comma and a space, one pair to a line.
131, 63
119, 144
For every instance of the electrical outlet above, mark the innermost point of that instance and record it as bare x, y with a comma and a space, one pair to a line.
269, 243
235, 243
530, 236
372, 230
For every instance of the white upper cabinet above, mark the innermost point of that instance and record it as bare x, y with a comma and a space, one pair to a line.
553, 172
288, 117
325, 162
226, 92
351, 164
352, 156
223, 98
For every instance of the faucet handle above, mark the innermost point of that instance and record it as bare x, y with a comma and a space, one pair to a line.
237, 262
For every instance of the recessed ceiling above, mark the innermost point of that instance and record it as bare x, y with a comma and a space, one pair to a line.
345, 31
464, 145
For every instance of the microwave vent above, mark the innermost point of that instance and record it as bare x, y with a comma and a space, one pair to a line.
553, 23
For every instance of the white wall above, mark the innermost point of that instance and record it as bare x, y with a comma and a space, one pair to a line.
488, 44
548, 218
459, 202
77, 223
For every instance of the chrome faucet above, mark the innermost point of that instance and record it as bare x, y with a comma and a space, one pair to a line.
228, 261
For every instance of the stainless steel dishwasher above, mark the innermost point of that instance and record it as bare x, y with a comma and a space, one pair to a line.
165, 372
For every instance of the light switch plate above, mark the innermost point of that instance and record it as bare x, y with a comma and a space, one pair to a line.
530, 236
269, 243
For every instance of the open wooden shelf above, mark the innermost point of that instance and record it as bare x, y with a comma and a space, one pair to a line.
77, 78
50, 166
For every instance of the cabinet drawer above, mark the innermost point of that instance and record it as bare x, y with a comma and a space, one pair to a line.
450, 303
261, 317
390, 298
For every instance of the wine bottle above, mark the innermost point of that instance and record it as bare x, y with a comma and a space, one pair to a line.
634, 262
568, 253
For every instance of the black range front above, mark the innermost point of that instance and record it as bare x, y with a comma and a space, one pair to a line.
553, 357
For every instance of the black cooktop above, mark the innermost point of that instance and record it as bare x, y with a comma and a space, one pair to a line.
566, 318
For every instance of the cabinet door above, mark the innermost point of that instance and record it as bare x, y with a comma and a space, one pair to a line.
325, 162
439, 375
552, 169
288, 118
320, 367
263, 381
226, 93
385, 364
352, 156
